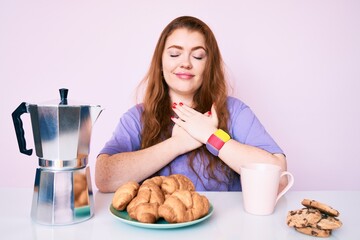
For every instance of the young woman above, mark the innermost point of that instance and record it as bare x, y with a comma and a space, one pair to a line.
186, 122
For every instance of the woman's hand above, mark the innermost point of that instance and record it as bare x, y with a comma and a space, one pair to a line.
199, 126
186, 142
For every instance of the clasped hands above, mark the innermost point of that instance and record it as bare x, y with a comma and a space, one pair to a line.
193, 128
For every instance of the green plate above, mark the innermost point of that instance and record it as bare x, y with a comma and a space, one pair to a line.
160, 224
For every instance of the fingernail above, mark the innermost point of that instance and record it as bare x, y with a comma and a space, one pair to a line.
209, 112
172, 117
181, 104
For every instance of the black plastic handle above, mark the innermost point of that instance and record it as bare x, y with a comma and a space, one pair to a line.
63, 96
21, 109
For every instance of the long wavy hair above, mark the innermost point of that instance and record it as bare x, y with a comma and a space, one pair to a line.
157, 125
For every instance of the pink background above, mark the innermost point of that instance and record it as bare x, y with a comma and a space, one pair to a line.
295, 63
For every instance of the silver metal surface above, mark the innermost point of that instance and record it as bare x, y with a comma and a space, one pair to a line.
62, 197
62, 190
63, 164
62, 131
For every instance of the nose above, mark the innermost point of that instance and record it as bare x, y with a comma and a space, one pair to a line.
186, 63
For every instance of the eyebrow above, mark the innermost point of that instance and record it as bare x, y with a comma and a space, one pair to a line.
181, 48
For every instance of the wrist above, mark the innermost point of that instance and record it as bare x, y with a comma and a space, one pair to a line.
181, 146
216, 141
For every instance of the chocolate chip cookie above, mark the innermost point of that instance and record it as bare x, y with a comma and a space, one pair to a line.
305, 217
317, 219
314, 231
321, 206
328, 223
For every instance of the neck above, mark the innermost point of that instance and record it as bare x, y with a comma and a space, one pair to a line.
186, 99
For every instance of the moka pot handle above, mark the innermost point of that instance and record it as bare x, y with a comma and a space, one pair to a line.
18, 125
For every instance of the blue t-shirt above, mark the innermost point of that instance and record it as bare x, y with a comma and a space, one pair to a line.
244, 127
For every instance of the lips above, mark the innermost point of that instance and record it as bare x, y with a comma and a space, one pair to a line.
184, 75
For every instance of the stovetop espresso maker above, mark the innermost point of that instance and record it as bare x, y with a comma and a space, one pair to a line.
62, 131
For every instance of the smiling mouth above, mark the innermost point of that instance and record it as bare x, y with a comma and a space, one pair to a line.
184, 75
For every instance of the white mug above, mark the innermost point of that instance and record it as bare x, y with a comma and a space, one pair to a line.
260, 185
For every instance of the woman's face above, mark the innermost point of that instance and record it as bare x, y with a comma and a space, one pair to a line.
183, 60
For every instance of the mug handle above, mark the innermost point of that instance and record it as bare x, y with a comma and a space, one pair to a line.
288, 186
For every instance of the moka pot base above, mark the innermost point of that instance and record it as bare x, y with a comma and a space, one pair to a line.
62, 197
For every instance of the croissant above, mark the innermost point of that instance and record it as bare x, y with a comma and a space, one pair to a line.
158, 180
172, 197
145, 212
176, 182
183, 206
124, 195
144, 207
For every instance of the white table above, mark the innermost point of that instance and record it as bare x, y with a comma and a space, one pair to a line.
229, 220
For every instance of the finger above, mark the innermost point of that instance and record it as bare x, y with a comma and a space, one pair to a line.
214, 116
180, 110
183, 107
177, 121
181, 115
208, 113
213, 111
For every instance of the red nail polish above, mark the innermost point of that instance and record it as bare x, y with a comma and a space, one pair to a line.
181, 104
172, 117
209, 112
173, 106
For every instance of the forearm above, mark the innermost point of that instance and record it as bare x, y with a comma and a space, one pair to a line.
236, 154
115, 170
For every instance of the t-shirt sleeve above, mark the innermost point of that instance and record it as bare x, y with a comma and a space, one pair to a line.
126, 137
247, 129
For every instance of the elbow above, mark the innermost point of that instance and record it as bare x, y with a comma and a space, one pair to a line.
101, 185
103, 188
102, 175
280, 160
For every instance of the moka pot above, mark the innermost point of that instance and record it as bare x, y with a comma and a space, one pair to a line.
62, 132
